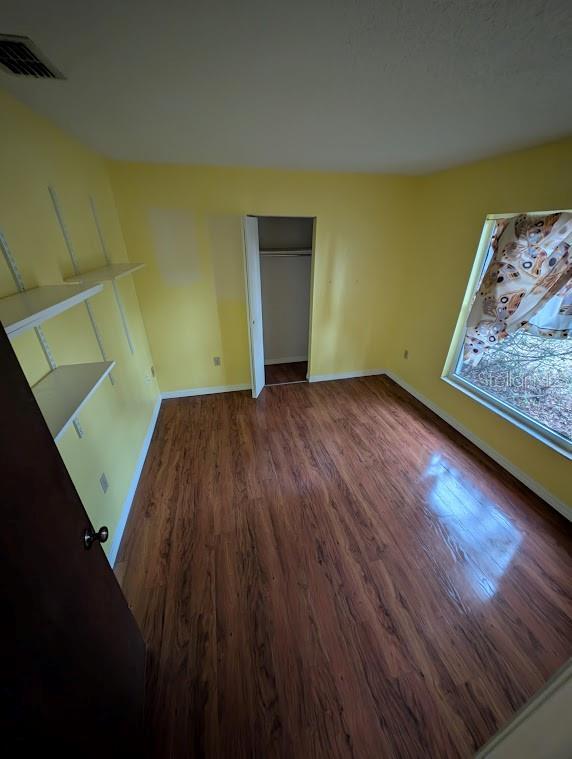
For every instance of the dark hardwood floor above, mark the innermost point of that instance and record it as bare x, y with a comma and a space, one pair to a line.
332, 571
276, 374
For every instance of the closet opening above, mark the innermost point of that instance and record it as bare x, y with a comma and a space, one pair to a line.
279, 256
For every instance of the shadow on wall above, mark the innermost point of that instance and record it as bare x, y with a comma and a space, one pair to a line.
329, 305
345, 337
226, 248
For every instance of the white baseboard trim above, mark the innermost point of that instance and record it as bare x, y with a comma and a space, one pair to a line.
536, 487
203, 391
541, 727
120, 527
288, 360
344, 375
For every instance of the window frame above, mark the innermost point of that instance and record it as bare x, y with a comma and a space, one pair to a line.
488, 400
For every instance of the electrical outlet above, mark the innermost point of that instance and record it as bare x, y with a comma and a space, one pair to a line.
104, 483
216, 360
406, 353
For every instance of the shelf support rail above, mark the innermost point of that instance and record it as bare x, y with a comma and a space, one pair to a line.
75, 266
118, 300
19, 281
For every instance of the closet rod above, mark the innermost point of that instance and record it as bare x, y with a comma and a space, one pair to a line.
301, 252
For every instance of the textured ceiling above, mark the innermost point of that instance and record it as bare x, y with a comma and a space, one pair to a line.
405, 86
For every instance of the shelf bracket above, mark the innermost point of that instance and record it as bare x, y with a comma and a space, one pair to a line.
19, 281
75, 266
118, 300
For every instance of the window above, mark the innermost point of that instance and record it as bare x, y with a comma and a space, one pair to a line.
512, 348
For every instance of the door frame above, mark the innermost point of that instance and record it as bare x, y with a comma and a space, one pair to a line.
312, 280
253, 307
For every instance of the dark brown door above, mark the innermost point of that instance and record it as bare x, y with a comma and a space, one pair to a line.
72, 658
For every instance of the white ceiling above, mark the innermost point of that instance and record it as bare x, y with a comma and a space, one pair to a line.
371, 85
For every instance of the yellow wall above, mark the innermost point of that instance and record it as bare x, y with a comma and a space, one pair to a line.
393, 255
33, 155
439, 252
355, 266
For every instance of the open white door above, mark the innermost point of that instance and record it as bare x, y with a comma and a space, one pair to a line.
254, 290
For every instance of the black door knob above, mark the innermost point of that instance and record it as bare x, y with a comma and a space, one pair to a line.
90, 536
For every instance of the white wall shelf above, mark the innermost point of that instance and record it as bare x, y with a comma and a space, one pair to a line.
62, 392
106, 273
30, 308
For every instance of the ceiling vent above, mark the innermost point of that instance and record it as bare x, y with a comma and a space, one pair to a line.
20, 56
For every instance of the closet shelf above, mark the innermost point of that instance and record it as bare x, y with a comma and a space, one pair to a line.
62, 392
106, 273
30, 308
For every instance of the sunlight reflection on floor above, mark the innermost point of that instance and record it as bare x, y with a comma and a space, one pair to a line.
474, 523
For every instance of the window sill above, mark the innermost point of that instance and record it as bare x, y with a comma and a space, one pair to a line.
558, 444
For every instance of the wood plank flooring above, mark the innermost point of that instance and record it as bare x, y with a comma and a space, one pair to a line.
332, 571
276, 374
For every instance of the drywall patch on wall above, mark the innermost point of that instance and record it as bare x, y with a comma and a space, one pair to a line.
175, 245
226, 244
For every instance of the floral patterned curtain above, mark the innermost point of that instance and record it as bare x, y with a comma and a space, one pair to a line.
527, 283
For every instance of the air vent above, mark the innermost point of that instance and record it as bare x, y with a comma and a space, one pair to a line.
20, 56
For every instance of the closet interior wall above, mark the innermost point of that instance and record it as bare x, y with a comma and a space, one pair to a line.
286, 271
